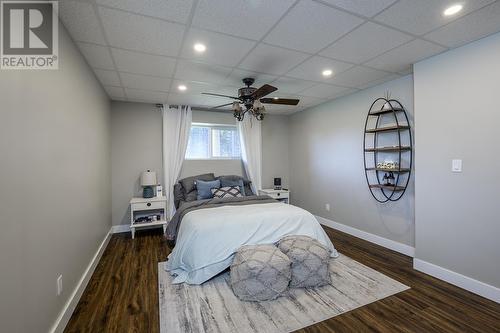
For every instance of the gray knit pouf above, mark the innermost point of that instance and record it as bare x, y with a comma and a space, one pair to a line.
260, 273
310, 261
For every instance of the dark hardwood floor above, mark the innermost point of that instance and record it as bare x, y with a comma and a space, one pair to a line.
122, 294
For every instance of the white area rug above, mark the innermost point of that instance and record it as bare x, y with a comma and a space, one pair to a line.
212, 307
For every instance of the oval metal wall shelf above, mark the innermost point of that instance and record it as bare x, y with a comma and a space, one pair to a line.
385, 108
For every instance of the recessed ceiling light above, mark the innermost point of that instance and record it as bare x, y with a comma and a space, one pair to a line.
452, 10
182, 87
276, 98
200, 48
327, 72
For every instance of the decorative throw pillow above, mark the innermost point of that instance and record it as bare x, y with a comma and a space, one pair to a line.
188, 182
225, 182
310, 261
230, 181
259, 273
205, 188
226, 192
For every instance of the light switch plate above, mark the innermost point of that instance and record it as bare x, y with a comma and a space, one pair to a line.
456, 165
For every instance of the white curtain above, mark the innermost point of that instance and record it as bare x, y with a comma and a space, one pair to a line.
176, 128
251, 150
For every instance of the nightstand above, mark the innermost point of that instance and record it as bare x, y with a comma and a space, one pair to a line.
148, 212
280, 195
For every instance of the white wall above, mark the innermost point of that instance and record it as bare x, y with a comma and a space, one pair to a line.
326, 161
457, 117
55, 200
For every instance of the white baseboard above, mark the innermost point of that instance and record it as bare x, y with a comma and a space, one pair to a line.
120, 228
387, 243
457, 279
69, 307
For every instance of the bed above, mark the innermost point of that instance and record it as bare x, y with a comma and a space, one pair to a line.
208, 232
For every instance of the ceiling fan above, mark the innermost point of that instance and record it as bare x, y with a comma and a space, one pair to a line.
252, 99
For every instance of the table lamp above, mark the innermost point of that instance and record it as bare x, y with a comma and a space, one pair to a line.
148, 180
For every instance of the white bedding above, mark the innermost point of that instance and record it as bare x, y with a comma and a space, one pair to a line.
208, 238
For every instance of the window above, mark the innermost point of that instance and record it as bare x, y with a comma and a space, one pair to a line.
208, 141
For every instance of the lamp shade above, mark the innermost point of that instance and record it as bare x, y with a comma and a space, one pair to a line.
148, 178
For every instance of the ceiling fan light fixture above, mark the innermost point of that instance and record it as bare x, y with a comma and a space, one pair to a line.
182, 87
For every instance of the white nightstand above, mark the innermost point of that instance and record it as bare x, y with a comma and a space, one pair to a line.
144, 207
280, 195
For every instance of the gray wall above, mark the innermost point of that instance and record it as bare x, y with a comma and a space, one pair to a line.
326, 164
457, 117
275, 150
55, 185
136, 141
136, 135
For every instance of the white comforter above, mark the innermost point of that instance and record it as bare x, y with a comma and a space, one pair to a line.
208, 238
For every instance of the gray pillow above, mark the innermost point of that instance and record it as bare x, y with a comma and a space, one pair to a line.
232, 179
178, 195
188, 183
310, 261
259, 273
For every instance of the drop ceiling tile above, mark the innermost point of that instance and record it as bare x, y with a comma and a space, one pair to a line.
312, 69
81, 21
322, 90
288, 85
357, 76
192, 71
145, 82
107, 78
97, 56
221, 49
242, 18
115, 93
196, 88
366, 42
362, 7
469, 28
304, 27
308, 101
138, 95
380, 81
420, 17
140, 63
234, 79
194, 100
400, 58
136, 32
173, 10
272, 60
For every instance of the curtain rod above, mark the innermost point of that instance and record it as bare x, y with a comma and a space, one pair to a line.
160, 106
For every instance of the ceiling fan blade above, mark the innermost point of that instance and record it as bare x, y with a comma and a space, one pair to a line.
219, 106
219, 95
282, 101
263, 91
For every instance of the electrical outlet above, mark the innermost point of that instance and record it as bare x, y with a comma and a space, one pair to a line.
327, 207
59, 285
456, 165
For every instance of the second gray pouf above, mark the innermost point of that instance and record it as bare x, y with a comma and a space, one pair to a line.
260, 273
310, 261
